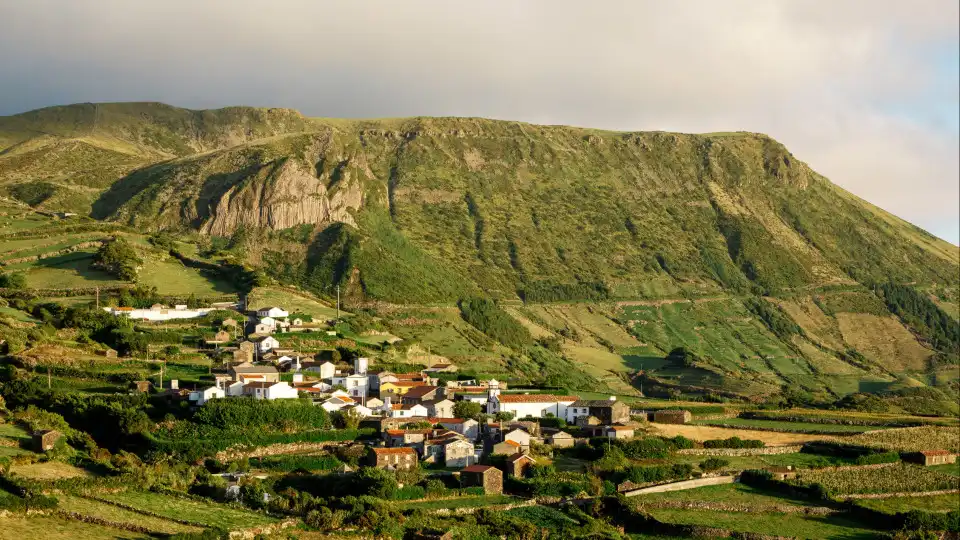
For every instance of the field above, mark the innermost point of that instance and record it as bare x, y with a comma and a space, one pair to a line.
56, 528
102, 510
50, 470
934, 503
912, 439
728, 494
790, 525
292, 302
461, 502
12, 437
900, 478
788, 427
208, 514
703, 433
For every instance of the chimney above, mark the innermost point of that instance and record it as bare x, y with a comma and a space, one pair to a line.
174, 384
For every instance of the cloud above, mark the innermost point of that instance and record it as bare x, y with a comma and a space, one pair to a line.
859, 89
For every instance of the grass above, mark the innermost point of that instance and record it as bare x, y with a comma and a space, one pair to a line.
912, 439
56, 528
16, 315
460, 502
900, 478
208, 514
49, 470
952, 468
292, 302
703, 433
893, 505
738, 494
789, 427
172, 277
790, 525
98, 509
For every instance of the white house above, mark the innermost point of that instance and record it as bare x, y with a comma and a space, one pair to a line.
356, 385
358, 409
326, 370
468, 427
158, 313
266, 344
360, 365
518, 436
532, 405
235, 388
268, 321
200, 397
408, 411
337, 402
270, 390
275, 312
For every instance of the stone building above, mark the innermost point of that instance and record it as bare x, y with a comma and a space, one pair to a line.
933, 457
404, 458
490, 478
44, 440
672, 416
518, 464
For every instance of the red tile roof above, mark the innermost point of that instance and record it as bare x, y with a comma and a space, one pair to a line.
935, 452
394, 451
513, 443
477, 468
534, 398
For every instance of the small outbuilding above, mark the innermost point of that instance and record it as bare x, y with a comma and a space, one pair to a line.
672, 416
518, 464
932, 457
488, 477
46, 439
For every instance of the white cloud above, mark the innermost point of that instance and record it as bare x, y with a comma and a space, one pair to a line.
845, 84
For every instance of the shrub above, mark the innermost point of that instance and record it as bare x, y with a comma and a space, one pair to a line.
648, 448
119, 258
485, 315
733, 442
714, 464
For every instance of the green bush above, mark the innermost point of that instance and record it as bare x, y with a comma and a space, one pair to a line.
485, 315
119, 258
713, 464
733, 442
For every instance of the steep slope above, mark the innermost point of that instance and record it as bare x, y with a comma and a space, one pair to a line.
621, 246
67, 155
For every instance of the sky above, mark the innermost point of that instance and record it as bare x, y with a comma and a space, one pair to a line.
865, 91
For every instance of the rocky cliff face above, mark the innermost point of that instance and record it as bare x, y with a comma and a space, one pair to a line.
290, 195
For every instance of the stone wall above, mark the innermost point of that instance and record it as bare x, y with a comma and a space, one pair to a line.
768, 451
685, 484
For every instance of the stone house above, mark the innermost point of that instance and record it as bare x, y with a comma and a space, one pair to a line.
560, 439
783, 473
490, 478
45, 439
242, 356
518, 464
672, 416
142, 387
933, 457
110, 353
421, 394
405, 437
229, 323
404, 458
608, 411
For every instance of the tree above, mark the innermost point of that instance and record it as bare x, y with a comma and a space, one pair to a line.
119, 258
467, 409
13, 281
503, 416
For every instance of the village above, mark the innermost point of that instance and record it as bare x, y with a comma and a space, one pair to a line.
414, 412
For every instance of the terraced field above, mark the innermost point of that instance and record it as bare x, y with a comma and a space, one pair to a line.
115, 514
207, 514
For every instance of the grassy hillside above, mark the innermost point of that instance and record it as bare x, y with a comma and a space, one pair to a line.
615, 247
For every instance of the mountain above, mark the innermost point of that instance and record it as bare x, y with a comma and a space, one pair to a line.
776, 269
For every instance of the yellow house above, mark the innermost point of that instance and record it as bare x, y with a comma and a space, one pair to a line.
398, 388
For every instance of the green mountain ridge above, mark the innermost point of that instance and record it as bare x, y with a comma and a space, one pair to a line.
431, 210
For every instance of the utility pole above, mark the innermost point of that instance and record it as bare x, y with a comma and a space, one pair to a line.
338, 303
98, 298
48, 378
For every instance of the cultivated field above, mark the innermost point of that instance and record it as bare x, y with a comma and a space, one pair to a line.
900, 478
208, 514
703, 433
56, 528
115, 514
